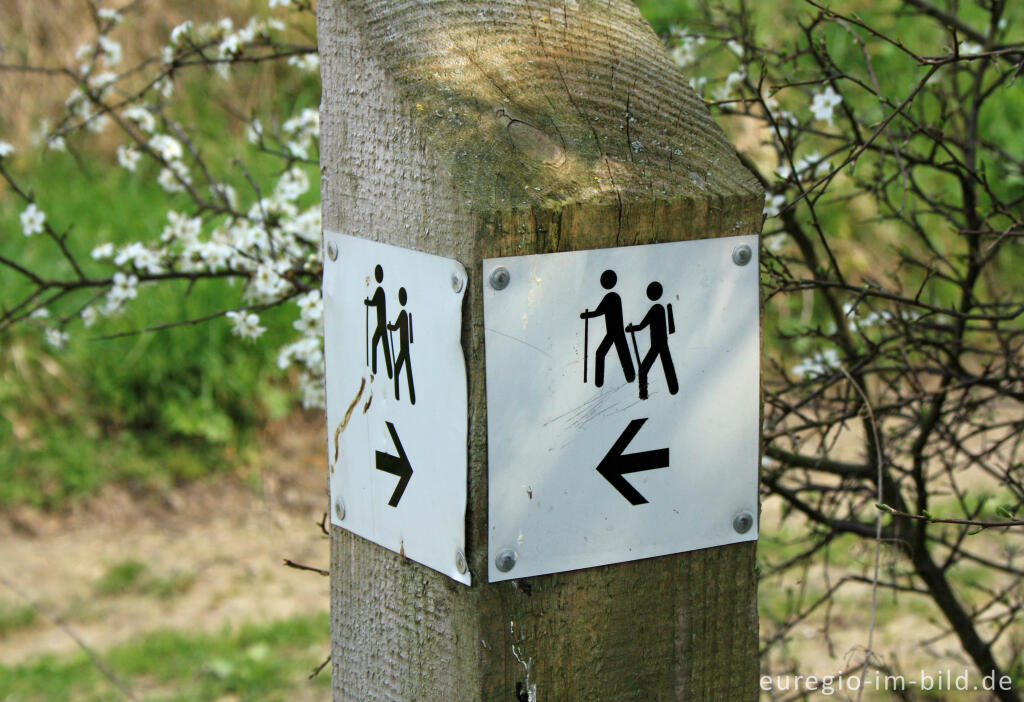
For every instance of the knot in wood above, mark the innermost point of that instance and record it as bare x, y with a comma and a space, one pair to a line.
532, 143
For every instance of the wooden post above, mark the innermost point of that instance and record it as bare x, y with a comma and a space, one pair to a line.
483, 128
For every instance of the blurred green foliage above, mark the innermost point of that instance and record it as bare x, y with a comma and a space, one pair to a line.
150, 408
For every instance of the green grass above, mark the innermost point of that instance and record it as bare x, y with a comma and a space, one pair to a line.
16, 616
134, 577
120, 577
255, 663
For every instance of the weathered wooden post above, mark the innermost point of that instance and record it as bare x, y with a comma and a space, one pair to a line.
478, 129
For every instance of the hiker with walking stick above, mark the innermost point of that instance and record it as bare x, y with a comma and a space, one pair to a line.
379, 333
610, 308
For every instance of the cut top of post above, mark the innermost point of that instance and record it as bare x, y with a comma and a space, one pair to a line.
529, 104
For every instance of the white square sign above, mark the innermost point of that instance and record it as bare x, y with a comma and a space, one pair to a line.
396, 399
622, 403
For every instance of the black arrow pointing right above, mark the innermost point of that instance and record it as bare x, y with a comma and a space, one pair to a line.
396, 465
614, 464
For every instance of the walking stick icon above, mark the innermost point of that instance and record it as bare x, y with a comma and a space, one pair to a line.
632, 335
586, 352
391, 350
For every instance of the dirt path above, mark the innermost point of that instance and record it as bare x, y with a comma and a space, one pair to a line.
215, 546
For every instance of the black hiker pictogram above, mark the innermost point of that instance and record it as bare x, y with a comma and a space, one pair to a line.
610, 308
379, 333
403, 325
660, 323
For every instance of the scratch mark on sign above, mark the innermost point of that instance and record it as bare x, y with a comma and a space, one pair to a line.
348, 415
514, 338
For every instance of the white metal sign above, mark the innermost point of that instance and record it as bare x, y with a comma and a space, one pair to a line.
396, 399
622, 403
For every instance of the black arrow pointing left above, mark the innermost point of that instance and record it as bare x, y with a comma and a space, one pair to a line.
396, 465
615, 464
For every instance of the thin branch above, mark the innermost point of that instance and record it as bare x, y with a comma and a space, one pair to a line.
59, 623
981, 524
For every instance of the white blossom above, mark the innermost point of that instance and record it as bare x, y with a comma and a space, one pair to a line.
103, 251
142, 117
818, 363
166, 146
174, 178
292, 185
266, 285
181, 227
785, 121
230, 47
128, 157
141, 257
724, 91
305, 226
969, 47
824, 104
805, 168
125, 288
873, 318
213, 254
179, 33
311, 314
245, 324
164, 86
110, 50
97, 123
109, 14
304, 126
254, 132
89, 316
5, 149
280, 3
225, 192
56, 337
297, 149
306, 62
314, 392
773, 204
684, 51
102, 81
32, 220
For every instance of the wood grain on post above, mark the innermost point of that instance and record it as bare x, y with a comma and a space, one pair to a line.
509, 127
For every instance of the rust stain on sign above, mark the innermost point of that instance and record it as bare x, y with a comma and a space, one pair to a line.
348, 415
